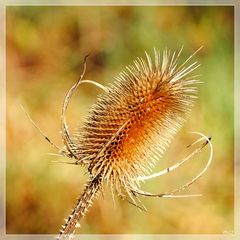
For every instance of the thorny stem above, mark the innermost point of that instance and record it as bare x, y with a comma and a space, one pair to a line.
79, 211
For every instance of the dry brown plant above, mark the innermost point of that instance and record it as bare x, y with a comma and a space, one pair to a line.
129, 128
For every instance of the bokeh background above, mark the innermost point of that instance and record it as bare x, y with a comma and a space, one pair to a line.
45, 49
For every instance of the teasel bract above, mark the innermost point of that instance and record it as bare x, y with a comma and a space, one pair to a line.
128, 129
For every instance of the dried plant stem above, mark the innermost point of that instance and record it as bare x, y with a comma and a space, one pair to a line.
81, 208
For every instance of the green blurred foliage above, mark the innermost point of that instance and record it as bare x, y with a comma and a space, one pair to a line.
45, 50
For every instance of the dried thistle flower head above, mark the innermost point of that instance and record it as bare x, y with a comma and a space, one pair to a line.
133, 122
128, 129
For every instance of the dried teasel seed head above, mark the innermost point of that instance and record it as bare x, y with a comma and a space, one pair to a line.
130, 126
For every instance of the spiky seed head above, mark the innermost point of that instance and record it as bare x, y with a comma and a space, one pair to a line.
130, 126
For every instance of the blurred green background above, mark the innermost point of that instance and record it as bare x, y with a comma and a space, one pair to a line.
45, 48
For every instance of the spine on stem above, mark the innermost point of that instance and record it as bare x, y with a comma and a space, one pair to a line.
83, 204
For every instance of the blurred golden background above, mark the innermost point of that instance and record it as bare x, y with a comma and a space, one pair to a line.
45, 49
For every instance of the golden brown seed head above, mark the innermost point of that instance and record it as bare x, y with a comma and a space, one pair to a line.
130, 126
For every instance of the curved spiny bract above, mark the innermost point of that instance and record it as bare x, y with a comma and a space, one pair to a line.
130, 126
